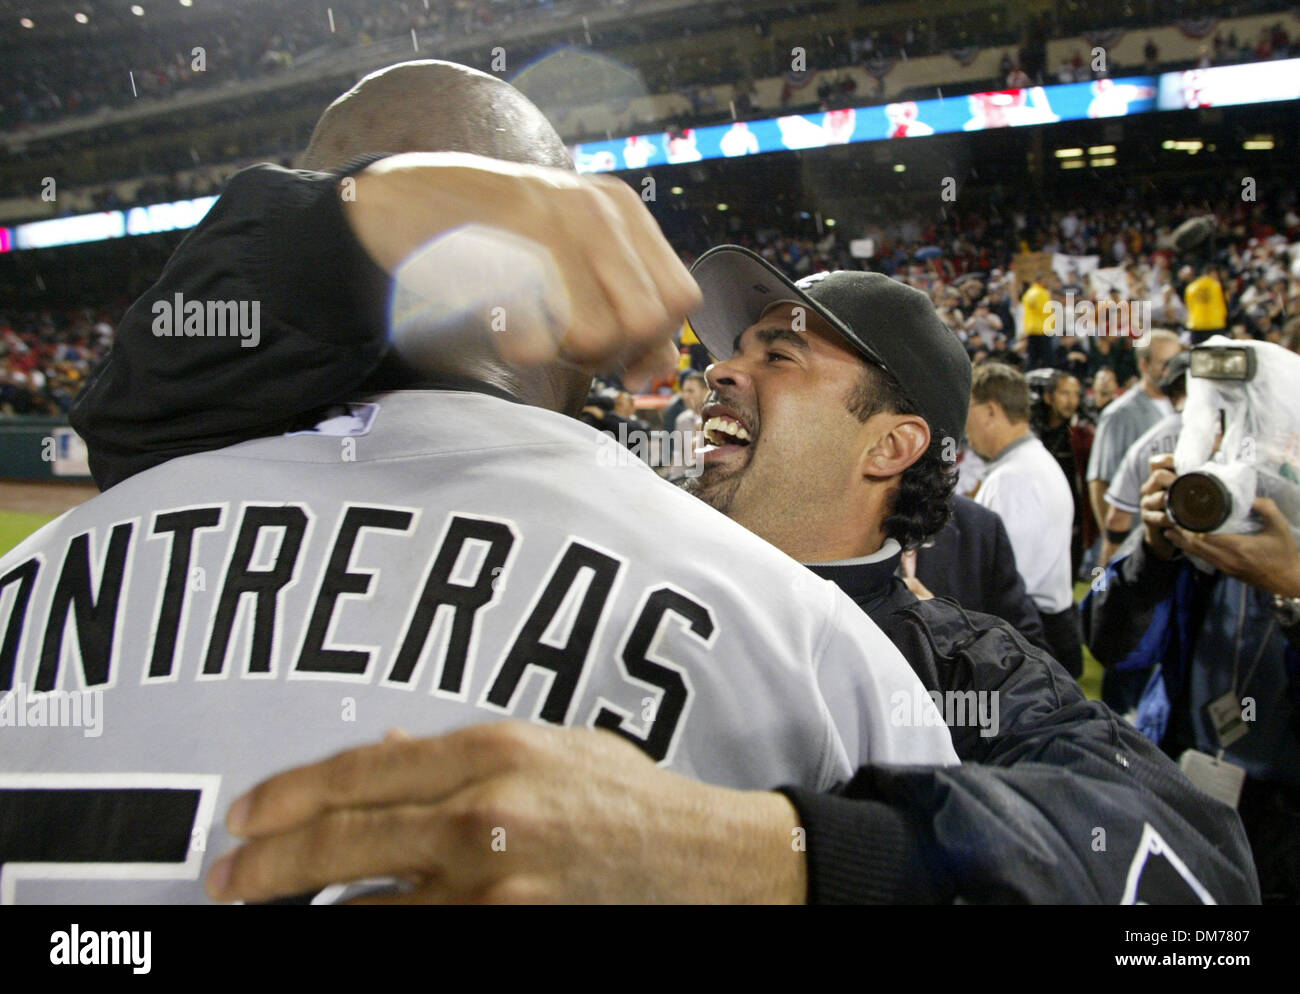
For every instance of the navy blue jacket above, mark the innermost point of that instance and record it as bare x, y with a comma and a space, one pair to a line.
970, 560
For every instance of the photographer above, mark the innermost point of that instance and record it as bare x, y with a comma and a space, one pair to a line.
1226, 629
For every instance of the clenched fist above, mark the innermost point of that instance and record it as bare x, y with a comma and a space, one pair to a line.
608, 288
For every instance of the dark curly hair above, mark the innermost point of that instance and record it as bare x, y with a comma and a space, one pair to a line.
921, 504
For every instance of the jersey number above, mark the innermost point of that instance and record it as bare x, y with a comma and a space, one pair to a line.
102, 826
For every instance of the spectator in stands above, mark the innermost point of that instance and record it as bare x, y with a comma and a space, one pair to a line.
983, 322
1167, 309
1207, 308
1114, 354
1150, 57
1071, 357
1036, 312
625, 405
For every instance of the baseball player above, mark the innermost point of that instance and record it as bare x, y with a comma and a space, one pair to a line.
238, 610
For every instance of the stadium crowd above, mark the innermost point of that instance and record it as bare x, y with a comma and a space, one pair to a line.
112, 67
964, 262
240, 42
45, 357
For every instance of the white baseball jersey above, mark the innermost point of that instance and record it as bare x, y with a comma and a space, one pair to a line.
440, 559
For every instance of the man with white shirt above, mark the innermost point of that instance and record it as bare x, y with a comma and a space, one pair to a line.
1024, 484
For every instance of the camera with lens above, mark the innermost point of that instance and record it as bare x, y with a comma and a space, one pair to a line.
1240, 438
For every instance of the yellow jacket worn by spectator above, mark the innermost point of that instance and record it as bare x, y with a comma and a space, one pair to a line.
1035, 301
1207, 310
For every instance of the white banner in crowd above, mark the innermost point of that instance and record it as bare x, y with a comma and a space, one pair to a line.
1103, 281
1073, 268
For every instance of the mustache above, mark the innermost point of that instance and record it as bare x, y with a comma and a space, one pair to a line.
717, 396
729, 399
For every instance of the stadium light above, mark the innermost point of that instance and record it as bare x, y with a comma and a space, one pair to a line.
1108, 161
829, 222
27, 22
1101, 149
1260, 143
187, 3
1068, 153
80, 18
137, 10
1072, 164
722, 207
677, 191
899, 167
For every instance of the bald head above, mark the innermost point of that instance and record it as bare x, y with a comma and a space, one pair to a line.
432, 106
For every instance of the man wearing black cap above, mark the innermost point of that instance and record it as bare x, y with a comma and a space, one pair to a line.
818, 457
831, 411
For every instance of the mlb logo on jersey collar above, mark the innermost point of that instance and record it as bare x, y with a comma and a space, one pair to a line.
347, 421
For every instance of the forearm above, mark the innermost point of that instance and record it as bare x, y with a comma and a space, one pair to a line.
714, 845
1117, 525
1117, 520
1097, 500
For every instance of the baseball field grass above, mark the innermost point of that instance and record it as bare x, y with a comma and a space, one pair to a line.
17, 525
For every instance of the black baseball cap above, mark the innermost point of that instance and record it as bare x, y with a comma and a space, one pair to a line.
1175, 368
888, 323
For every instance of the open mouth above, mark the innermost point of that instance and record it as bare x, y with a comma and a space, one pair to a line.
723, 427
725, 431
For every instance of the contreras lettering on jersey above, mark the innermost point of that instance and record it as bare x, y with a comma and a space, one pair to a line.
64, 616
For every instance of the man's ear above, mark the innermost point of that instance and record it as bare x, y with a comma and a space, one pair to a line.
902, 440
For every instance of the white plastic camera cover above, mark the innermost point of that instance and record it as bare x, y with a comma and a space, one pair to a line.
1259, 452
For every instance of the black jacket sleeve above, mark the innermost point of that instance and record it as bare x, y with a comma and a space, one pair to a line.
277, 238
1066, 803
